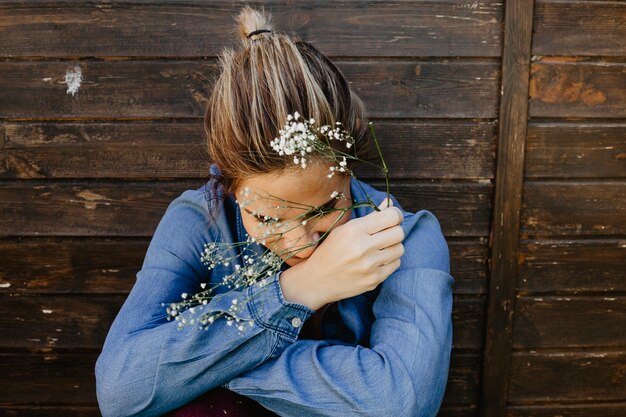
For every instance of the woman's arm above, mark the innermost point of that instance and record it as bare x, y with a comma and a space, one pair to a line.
147, 366
403, 373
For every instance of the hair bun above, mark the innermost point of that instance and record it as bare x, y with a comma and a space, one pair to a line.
252, 22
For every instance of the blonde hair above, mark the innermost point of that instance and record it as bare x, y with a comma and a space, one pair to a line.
270, 77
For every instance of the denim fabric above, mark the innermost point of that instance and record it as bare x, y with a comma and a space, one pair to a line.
392, 360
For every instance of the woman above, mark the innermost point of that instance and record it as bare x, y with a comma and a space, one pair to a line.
383, 347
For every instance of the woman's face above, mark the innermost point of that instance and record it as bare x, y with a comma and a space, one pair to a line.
285, 199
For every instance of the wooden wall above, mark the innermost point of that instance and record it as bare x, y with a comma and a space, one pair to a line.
507, 120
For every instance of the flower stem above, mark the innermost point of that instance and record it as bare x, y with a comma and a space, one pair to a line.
385, 169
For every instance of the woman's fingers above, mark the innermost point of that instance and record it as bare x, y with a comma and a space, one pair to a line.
386, 237
380, 220
389, 254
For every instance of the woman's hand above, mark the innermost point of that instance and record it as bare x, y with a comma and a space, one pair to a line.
354, 258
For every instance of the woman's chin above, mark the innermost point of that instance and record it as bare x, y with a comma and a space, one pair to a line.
292, 261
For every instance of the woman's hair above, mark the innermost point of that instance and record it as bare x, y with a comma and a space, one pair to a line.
268, 78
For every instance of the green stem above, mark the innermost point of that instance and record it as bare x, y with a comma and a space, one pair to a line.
385, 169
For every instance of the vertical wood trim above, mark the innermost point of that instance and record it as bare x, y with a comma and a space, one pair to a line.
518, 21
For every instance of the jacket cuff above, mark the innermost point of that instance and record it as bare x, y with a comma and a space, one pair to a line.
269, 308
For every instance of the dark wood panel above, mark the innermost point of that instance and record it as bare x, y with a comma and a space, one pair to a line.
156, 89
177, 150
575, 150
86, 209
199, 29
513, 118
46, 378
78, 266
572, 266
468, 322
579, 28
79, 208
463, 379
574, 208
469, 266
568, 410
64, 321
568, 376
463, 209
468, 410
48, 411
68, 379
118, 89
575, 321
570, 87
57, 321
108, 266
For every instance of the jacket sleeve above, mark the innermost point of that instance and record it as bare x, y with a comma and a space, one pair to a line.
148, 366
402, 373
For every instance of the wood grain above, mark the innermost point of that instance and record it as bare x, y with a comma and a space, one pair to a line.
581, 208
191, 29
591, 376
591, 28
572, 266
568, 410
513, 117
570, 322
124, 89
575, 150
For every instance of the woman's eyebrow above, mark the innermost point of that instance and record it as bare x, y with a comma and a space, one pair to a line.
327, 204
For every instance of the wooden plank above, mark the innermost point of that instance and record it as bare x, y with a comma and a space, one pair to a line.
177, 150
571, 87
71, 322
107, 208
463, 379
568, 376
467, 410
513, 117
468, 322
67, 379
48, 378
571, 321
590, 28
572, 266
581, 208
155, 89
463, 209
86, 209
58, 321
468, 265
108, 266
568, 410
575, 150
193, 29
77, 266
48, 411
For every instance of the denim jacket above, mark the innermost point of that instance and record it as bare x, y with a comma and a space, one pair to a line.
392, 358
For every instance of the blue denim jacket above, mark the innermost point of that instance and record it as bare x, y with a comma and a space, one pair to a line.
392, 361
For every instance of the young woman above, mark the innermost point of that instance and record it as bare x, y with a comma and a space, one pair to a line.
358, 319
